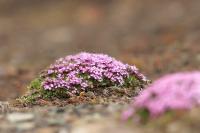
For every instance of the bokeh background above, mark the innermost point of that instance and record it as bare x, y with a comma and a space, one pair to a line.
159, 36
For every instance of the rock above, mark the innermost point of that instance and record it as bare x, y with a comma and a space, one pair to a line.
4, 107
25, 126
19, 117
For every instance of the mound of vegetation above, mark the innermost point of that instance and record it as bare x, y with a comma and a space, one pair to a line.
76, 75
168, 95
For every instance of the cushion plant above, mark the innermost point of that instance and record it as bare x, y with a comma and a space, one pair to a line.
171, 93
84, 72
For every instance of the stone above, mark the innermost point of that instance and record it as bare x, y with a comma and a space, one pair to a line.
4, 107
19, 117
25, 126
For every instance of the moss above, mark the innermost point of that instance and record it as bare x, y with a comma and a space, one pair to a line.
144, 115
36, 91
133, 82
35, 84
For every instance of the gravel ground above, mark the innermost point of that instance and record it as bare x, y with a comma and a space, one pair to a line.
73, 119
87, 118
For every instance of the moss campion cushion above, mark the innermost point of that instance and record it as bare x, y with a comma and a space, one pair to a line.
179, 91
84, 72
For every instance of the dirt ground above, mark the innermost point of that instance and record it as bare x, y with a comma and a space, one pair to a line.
158, 36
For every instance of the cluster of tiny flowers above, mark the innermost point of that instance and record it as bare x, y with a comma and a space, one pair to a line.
75, 72
180, 91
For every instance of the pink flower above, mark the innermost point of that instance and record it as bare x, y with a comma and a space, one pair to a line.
179, 91
75, 72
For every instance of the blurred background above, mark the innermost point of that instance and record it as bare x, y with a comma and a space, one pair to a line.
159, 36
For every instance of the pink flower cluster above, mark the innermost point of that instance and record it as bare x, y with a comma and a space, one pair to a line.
85, 70
172, 92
